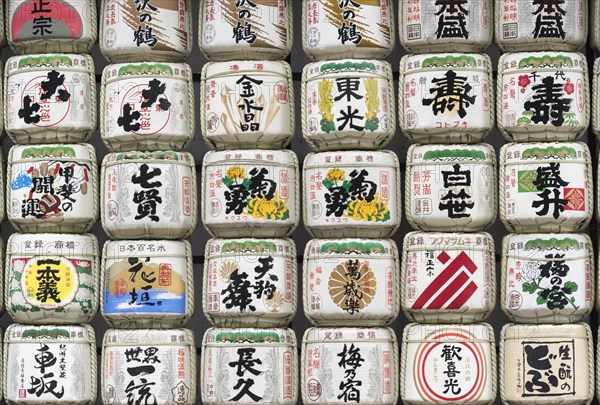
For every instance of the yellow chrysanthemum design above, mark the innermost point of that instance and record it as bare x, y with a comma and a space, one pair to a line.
362, 210
352, 286
335, 174
273, 209
236, 173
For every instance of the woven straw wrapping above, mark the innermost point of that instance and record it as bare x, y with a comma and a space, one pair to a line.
529, 333
558, 316
596, 94
250, 229
144, 53
447, 316
345, 51
472, 44
150, 320
248, 319
124, 341
569, 44
44, 316
134, 230
360, 229
291, 344
249, 140
542, 224
61, 133
594, 21
404, 371
91, 343
394, 372
354, 139
57, 224
562, 133
450, 225
435, 135
88, 14
159, 141
228, 50
3, 183
384, 318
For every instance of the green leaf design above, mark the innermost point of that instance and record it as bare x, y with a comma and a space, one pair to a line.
346, 185
386, 217
529, 287
523, 120
541, 300
327, 183
227, 181
286, 215
247, 183
571, 285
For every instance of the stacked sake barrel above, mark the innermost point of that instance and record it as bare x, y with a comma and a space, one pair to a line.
546, 201
351, 192
250, 203
448, 282
52, 262
148, 202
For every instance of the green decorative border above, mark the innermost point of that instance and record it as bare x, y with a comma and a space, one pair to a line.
248, 336
168, 155
341, 66
145, 68
43, 151
561, 152
45, 60
249, 246
546, 60
450, 60
454, 154
346, 247
45, 333
552, 243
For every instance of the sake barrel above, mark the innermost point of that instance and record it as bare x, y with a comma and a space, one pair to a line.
35, 26
247, 366
49, 98
543, 96
546, 187
352, 194
348, 29
547, 278
448, 277
52, 278
451, 364
52, 188
351, 282
348, 104
250, 282
146, 31
525, 25
341, 365
147, 106
149, 195
451, 187
147, 283
49, 364
466, 26
3, 188
157, 365
446, 98
548, 364
245, 29
247, 104
252, 193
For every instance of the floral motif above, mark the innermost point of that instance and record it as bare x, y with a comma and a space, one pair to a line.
524, 81
334, 175
362, 210
236, 173
264, 208
352, 286
569, 87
